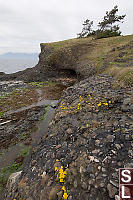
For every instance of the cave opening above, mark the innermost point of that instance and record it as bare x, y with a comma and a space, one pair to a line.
68, 73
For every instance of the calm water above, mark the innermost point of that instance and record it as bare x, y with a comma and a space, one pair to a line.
14, 65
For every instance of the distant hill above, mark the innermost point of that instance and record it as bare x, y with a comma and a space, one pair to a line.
19, 55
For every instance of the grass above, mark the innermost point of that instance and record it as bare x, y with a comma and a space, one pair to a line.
121, 73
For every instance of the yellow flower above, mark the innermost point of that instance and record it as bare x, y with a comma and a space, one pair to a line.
99, 104
106, 104
81, 98
87, 125
60, 171
89, 95
63, 188
109, 101
56, 169
62, 176
65, 195
61, 180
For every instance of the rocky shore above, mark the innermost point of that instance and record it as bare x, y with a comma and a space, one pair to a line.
91, 134
78, 154
23, 109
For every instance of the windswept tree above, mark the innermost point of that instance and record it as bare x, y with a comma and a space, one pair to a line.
87, 29
107, 28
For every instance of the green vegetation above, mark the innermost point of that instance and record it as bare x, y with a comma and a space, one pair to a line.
42, 84
46, 112
24, 152
7, 171
1, 114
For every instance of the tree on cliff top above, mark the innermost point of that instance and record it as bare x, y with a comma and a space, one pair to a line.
106, 27
87, 29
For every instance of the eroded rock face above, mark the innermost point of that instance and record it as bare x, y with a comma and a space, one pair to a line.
92, 134
54, 64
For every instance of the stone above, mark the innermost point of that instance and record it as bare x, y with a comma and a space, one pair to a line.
53, 193
44, 180
22, 183
13, 179
112, 190
84, 186
110, 138
75, 184
95, 151
69, 131
117, 197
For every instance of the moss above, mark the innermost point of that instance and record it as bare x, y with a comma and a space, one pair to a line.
24, 152
42, 84
1, 114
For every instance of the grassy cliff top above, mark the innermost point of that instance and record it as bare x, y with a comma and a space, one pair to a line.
109, 55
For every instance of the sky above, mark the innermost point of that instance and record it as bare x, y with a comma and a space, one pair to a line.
24, 24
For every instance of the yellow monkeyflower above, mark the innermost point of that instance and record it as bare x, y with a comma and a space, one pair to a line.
61, 180
89, 95
65, 195
56, 169
81, 98
60, 171
62, 175
106, 104
63, 188
87, 125
99, 104
109, 101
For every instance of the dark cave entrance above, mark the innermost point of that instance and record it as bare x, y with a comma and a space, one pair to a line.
67, 73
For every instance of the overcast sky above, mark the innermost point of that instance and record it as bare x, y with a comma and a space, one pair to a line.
24, 24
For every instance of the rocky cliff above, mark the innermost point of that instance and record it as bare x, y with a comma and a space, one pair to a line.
91, 134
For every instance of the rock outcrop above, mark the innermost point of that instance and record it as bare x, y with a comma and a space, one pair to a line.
91, 135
